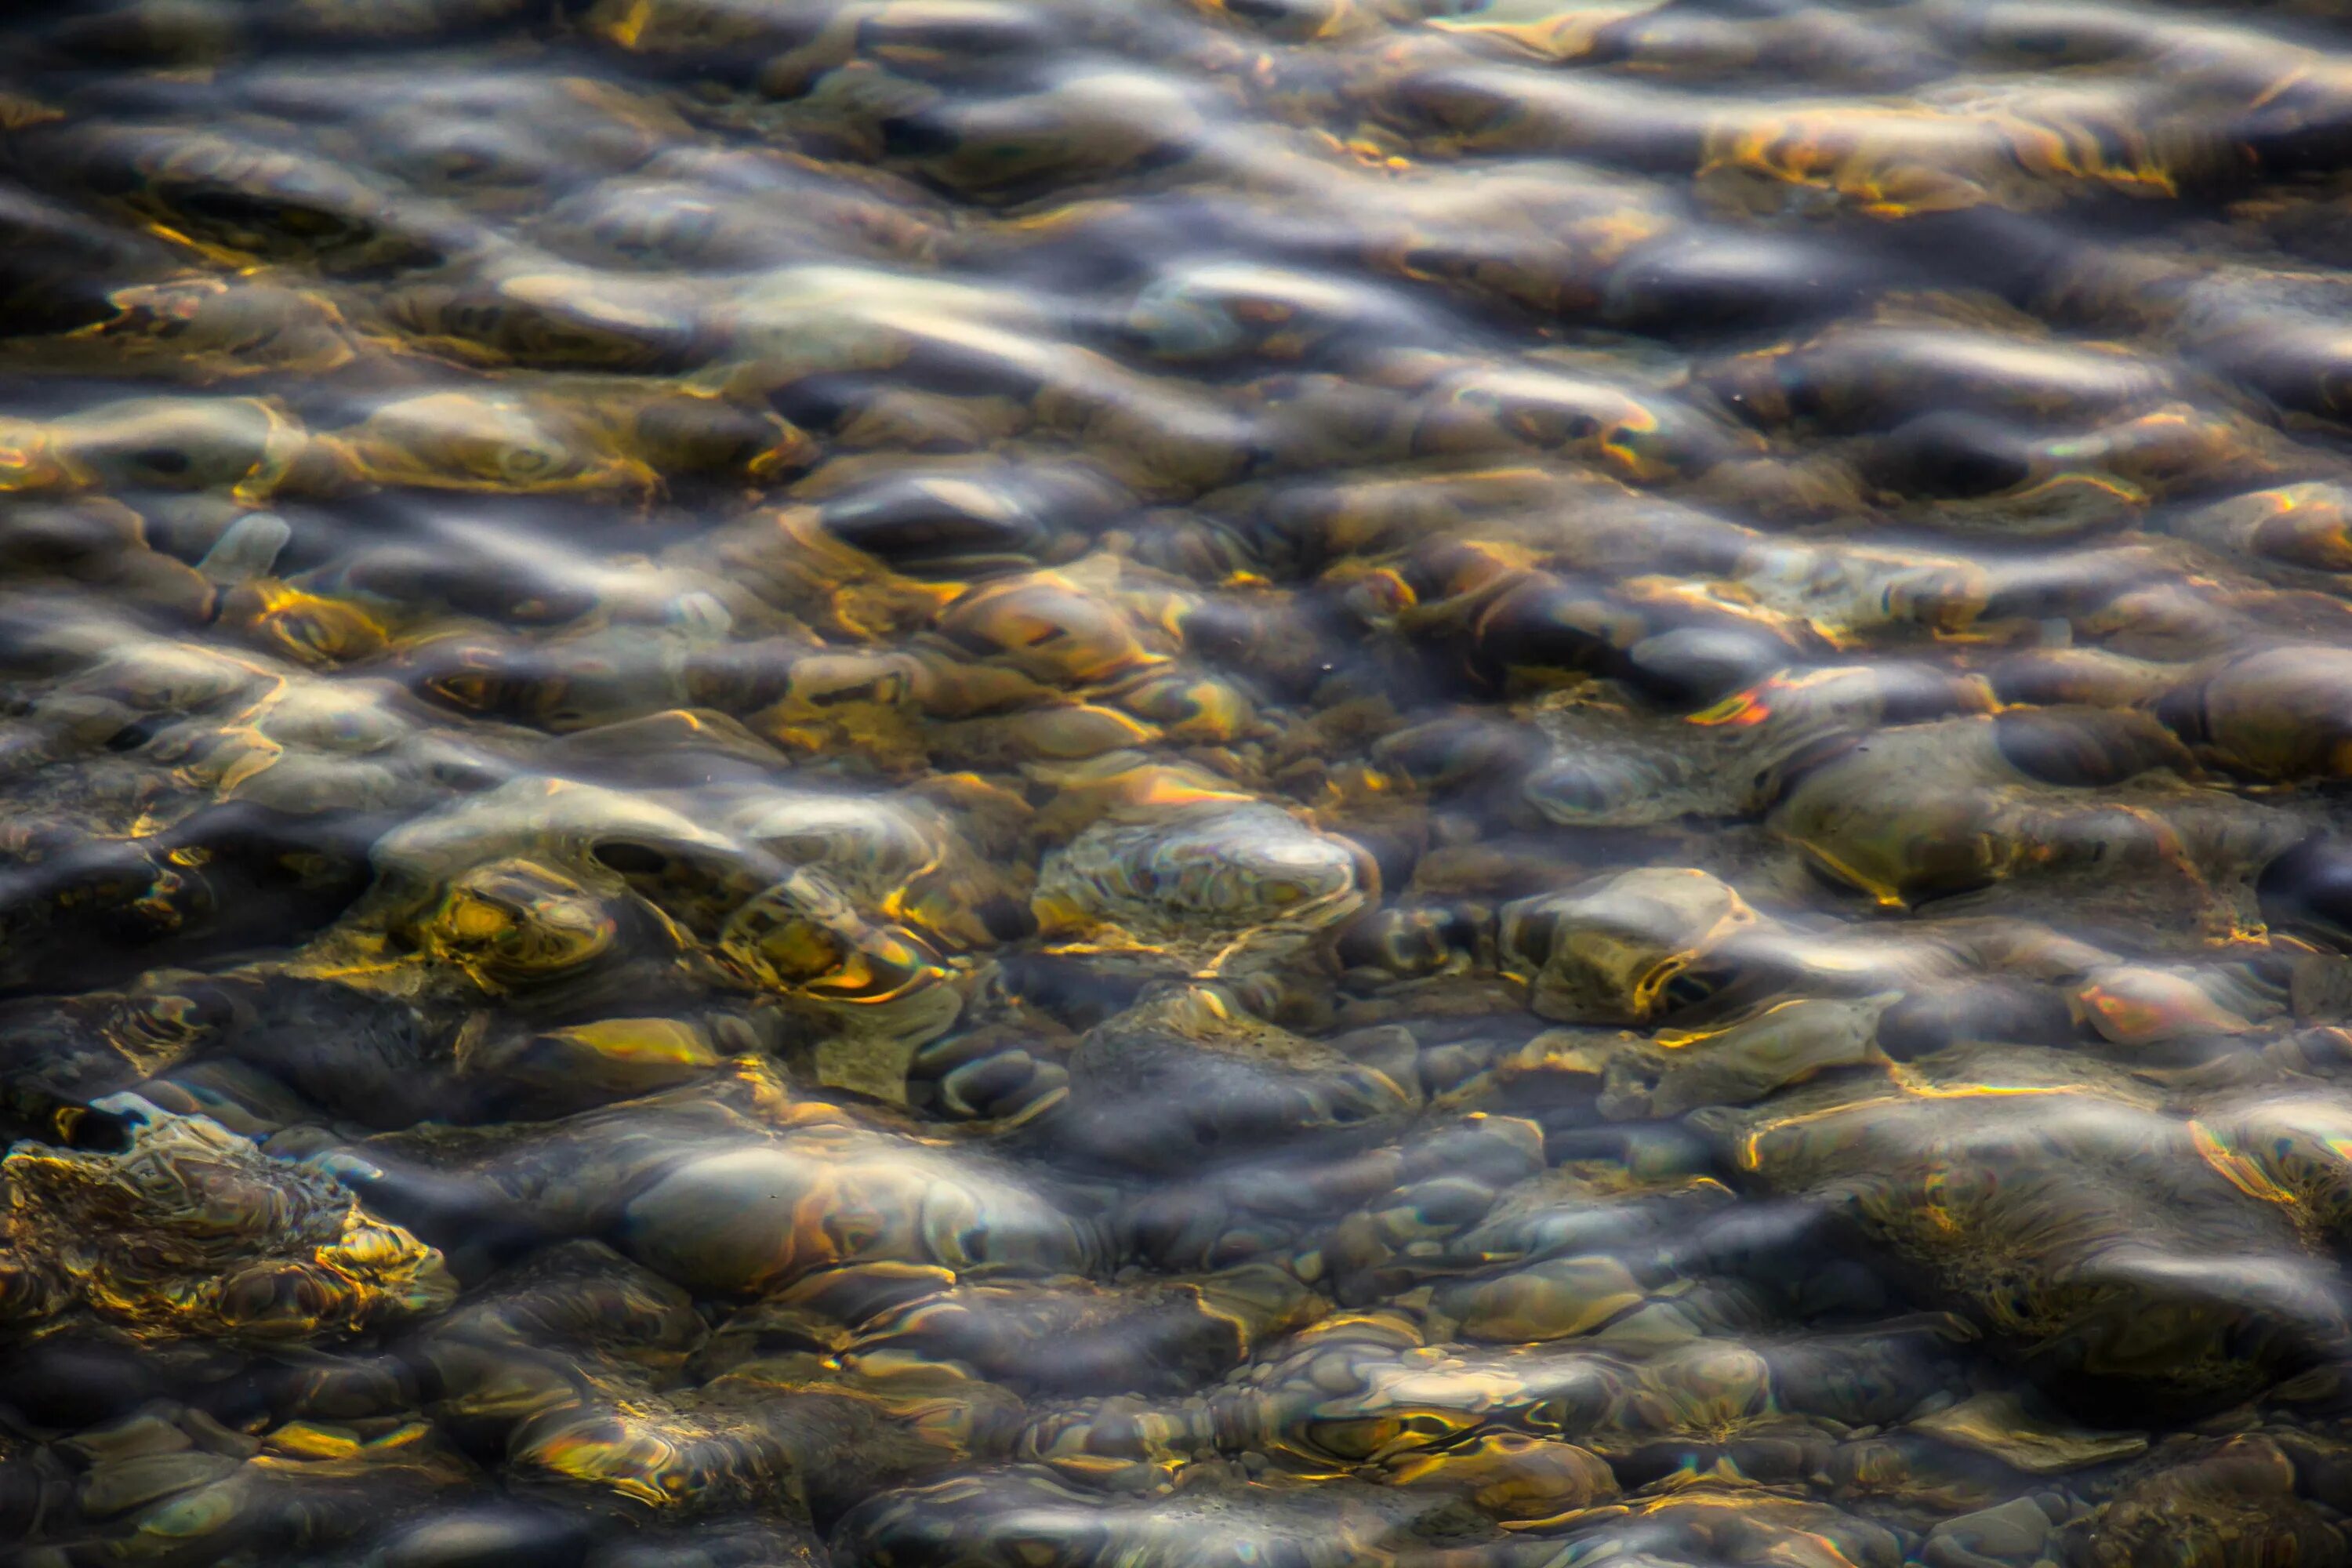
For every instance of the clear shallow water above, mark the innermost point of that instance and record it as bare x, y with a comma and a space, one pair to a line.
1156, 786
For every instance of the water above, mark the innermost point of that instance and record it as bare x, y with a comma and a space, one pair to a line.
1059, 783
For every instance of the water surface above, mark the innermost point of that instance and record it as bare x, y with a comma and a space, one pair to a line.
1127, 784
